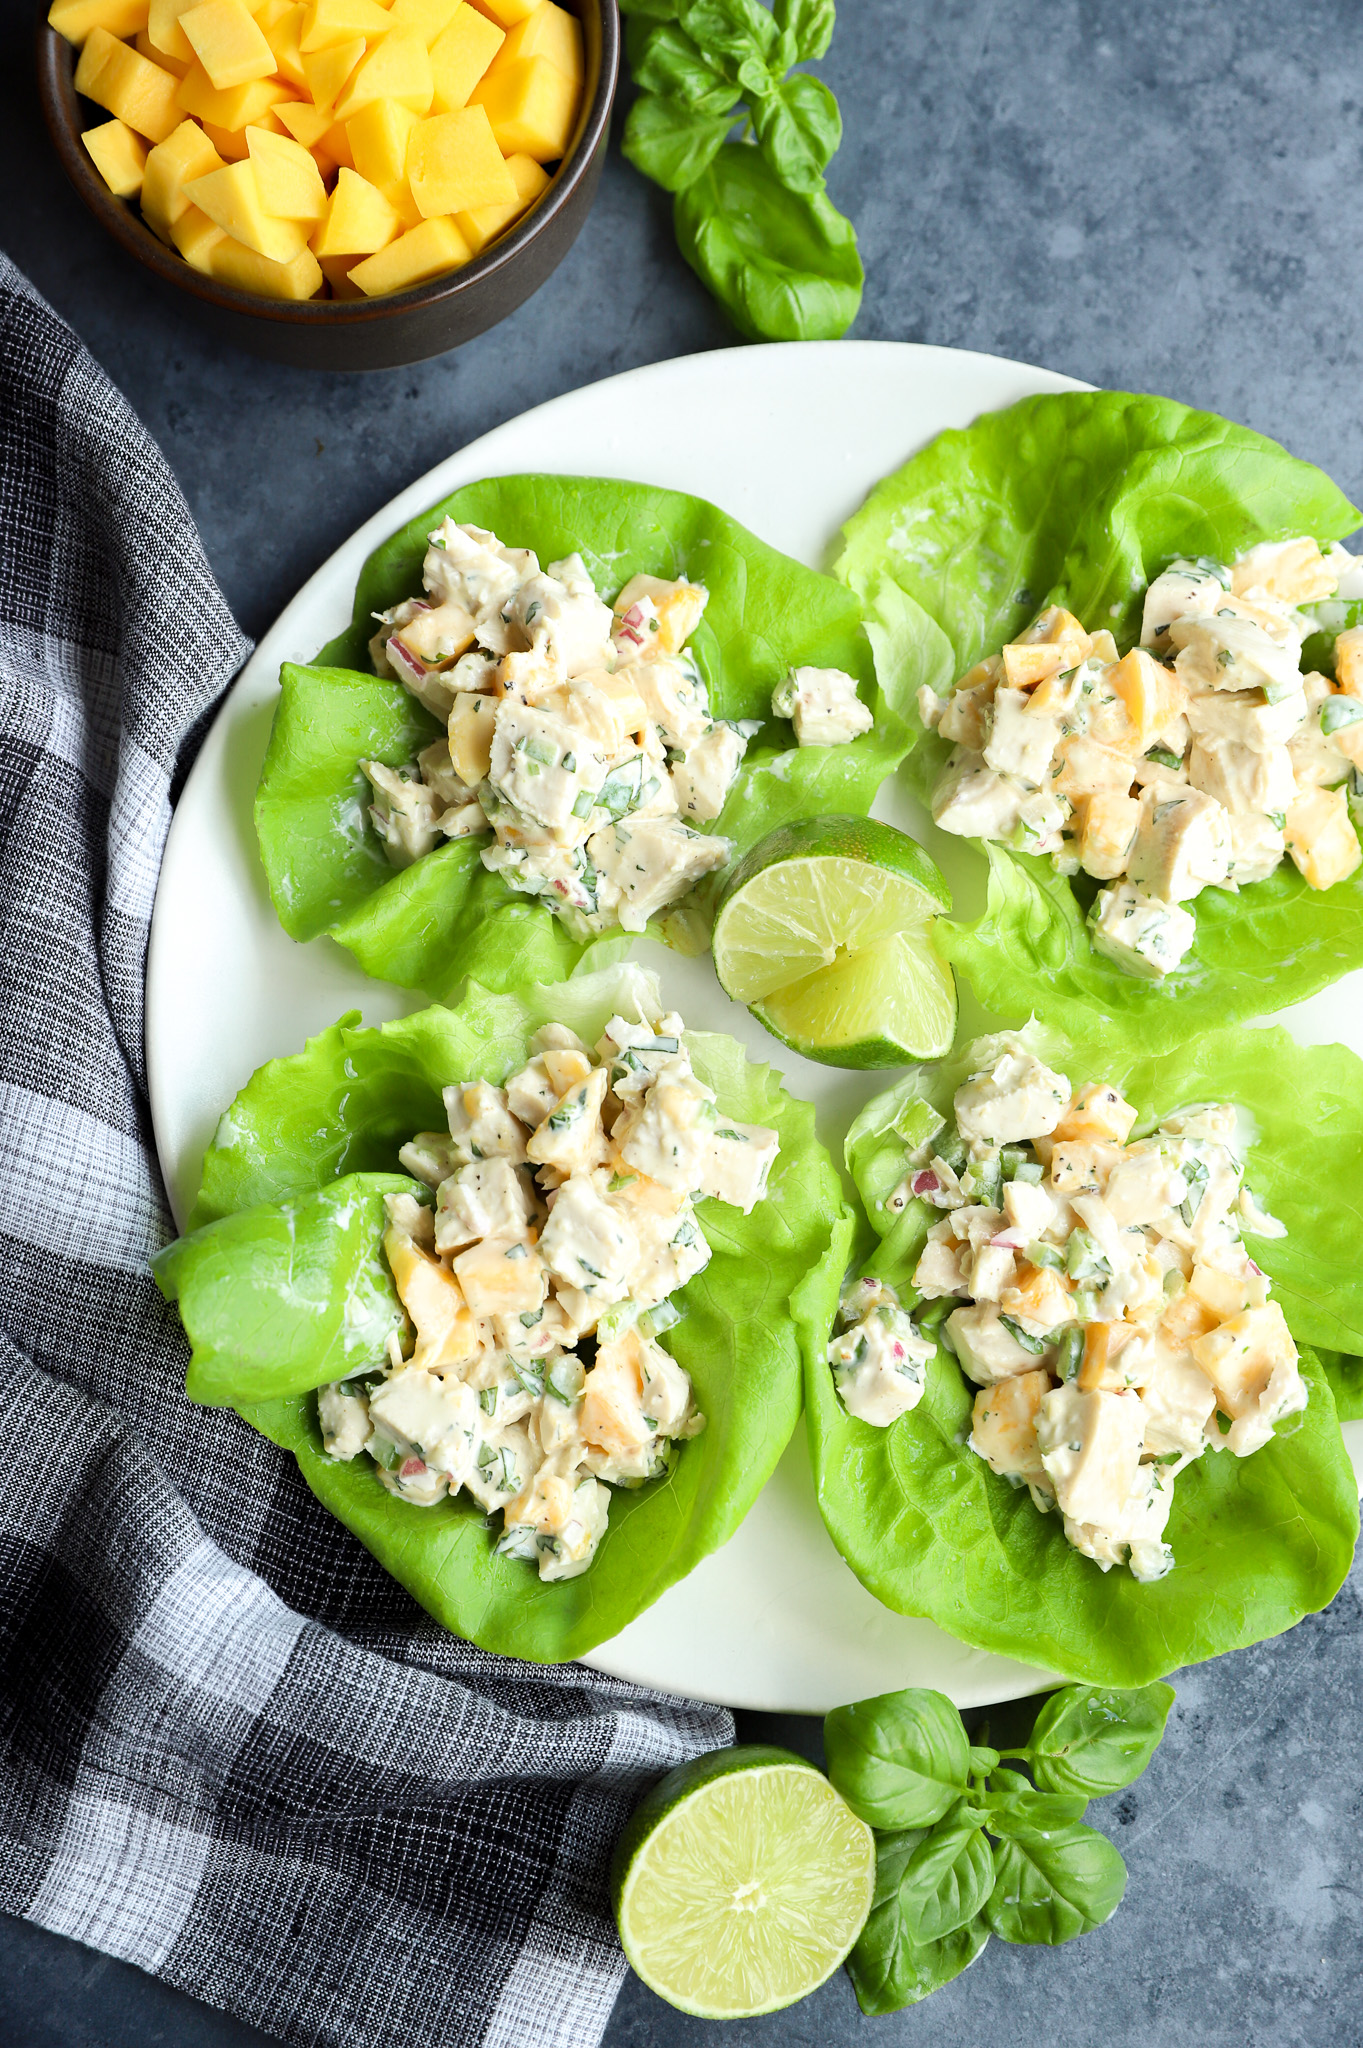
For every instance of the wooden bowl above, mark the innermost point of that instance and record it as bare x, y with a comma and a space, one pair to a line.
367, 334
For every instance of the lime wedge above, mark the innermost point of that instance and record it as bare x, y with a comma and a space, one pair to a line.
825, 932
741, 1883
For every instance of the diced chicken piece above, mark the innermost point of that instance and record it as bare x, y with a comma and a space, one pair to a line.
942, 1270
502, 1463
571, 1137
431, 1156
880, 1365
987, 1349
675, 699
558, 1521
965, 718
1221, 1293
1185, 590
530, 1094
544, 766
1348, 569
343, 1417
412, 1218
472, 727
740, 1160
1089, 767
560, 613
1257, 846
1252, 1363
1107, 833
1321, 839
992, 1269
587, 1242
1228, 653
638, 1054
414, 1481
1241, 778
437, 772
405, 812
655, 615
976, 802
824, 706
481, 1125
1091, 1446
1020, 742
501, 1277
445, 1321
1293, 570
1137, 1540
467, 566
1028, 1207
643, 864
667, 1131
672, 1247
703, 778
1003, 1427
485, 1199
1245, 717
1145, 1184
433, 1419
1182, 845
1178, 1398
1011, 1096
1138, 933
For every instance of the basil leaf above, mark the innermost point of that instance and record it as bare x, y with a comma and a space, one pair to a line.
890, 1970
671, 142
653, 10
784, 265
1053, 1883
799, 128
1013, 1812
947, 1877
1096, 1739
664, 60
808, 23
983, 1761
899, 1760
736, 29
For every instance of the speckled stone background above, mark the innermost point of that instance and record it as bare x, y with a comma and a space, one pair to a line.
1166, 198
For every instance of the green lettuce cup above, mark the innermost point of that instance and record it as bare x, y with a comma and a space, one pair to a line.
446, 917
282, 1287
1259, 1542
1080, 499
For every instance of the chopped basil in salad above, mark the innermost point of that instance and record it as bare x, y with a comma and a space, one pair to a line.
537, 1287
1094, 1286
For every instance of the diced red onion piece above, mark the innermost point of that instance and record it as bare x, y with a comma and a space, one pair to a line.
1010, 1240
411, 1468
404, 658
925, 1183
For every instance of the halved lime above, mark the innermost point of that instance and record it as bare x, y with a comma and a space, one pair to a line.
825, 932
741, 1882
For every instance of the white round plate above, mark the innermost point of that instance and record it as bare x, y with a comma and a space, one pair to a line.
789, 440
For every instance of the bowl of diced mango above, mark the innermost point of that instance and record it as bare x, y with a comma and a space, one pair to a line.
345, 184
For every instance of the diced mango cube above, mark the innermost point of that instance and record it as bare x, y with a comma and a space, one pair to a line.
118, 155
506, 13
460, 56
398, 68
1349, 661
471, 726
482, 224
378, 137
164, 32
399, 197
333, 152
196, 237
532, 107
453, 164
233, 106
336, 270
115, 77
422, 253
186, 153
429, 18
232, 198
287, 178
145, 47
248, 271
283, 36
1108, 833
328, 71
359, 220
1153, 695
306, 123
76, 19
227, 43
1321, 838
326, 22
549, 32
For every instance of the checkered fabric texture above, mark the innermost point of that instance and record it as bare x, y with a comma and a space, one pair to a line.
234, 1751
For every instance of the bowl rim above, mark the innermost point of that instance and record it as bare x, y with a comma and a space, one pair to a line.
56, 64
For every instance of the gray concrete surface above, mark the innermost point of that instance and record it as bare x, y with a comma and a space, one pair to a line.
1165, 198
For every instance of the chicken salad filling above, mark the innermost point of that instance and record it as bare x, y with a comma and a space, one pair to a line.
1200, 759
1095, 1287
579, 734
536, 1287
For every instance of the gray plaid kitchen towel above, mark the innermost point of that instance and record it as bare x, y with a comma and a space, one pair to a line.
234, 1751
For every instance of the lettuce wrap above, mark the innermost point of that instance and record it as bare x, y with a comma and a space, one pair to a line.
282, 1287
446, 917
1080, 499
1259, 1542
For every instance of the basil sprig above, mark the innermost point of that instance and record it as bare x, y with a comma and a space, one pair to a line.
752, 215
966, 1847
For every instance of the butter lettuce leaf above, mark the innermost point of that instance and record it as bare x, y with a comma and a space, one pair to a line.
326, 868
1259, 1541
283, 1277
1080, 498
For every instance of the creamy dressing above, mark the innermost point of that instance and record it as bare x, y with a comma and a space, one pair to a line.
536, 1287
1095, 1287
1199, 760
